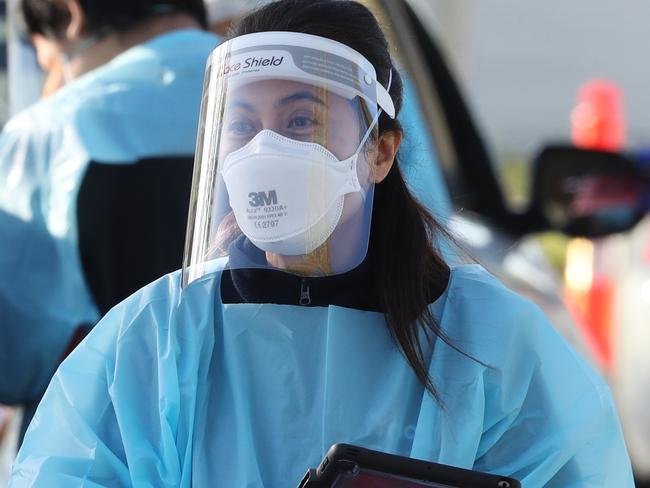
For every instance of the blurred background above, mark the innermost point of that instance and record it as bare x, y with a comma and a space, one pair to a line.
521, 64
530, 74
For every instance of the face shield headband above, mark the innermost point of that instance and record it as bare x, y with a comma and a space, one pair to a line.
298, 56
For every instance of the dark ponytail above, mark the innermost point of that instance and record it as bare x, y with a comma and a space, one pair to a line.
407, 285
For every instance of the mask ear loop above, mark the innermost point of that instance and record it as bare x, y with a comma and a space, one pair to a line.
374, 122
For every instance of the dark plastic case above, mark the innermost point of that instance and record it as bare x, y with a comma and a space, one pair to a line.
346, 466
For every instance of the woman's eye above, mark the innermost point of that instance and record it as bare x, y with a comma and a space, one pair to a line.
301, 122
241, 127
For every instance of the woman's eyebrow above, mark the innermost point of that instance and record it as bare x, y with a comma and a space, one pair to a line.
241, 104
304, 95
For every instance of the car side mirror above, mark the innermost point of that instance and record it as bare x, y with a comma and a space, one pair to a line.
588, 193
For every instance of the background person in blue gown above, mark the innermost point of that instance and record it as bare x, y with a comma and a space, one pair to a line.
94, 177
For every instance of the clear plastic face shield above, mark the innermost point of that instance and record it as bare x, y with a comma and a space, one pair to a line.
287, 142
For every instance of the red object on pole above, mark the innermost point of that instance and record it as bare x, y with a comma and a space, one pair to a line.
598, 122
600, 318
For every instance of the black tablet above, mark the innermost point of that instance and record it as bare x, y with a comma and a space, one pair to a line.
346, 466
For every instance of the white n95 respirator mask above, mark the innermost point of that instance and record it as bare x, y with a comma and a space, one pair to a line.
270, 184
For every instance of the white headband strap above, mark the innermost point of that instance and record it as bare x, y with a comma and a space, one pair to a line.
383, 96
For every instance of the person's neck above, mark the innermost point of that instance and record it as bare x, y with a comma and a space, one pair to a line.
113, 44
341, 252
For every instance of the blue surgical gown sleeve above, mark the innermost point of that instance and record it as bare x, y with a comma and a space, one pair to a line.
79, 441
36, 322
111, 415
27, 362
547, 418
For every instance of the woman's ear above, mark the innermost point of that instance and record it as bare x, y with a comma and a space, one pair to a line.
75, 29
387, 147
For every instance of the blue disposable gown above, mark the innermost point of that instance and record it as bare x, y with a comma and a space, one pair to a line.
143, 104
174, 388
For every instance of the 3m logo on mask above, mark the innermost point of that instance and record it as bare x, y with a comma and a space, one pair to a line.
262, 198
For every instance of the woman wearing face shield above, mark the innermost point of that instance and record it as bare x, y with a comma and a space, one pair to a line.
313, 307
